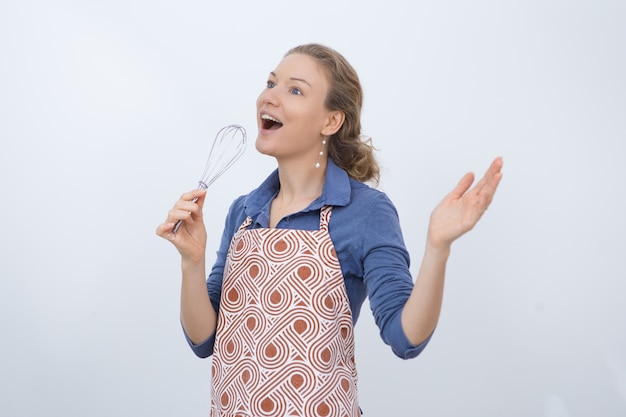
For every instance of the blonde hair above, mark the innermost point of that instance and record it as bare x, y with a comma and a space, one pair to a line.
345, 147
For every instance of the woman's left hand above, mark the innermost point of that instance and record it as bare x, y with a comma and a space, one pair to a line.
460, 210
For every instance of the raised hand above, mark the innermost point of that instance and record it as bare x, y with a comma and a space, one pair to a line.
461, 209
191, 237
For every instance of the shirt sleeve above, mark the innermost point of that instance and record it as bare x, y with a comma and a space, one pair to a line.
214, 281
387, 276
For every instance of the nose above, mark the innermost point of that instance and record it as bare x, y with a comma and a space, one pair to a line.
268, 96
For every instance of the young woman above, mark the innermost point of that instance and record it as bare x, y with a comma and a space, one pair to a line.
300, 254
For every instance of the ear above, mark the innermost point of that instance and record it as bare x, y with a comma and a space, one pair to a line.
333, 123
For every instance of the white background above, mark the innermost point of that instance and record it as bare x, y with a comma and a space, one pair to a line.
107, 111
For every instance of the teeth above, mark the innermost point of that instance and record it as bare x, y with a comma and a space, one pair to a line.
268, 117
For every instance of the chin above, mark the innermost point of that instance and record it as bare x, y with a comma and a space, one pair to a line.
263, 146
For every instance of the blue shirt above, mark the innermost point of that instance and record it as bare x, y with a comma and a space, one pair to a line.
365, 230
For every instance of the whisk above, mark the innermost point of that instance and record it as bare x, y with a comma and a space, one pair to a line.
228, 146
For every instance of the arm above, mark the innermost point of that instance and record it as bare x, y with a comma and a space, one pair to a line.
197, 314
457, 214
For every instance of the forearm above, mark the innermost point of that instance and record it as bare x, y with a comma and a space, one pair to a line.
421, 311
196, 311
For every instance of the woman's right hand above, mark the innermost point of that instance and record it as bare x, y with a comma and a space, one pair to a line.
190, 238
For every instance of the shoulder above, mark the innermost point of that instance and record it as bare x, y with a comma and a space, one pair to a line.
369, 213
238, 204
369, 201
236, 214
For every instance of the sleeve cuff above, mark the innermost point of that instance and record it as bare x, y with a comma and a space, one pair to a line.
203, 349
400, 344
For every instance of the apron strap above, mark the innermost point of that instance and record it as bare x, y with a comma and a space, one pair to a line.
325, 213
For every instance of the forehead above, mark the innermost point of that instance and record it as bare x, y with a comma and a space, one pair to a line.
303, 67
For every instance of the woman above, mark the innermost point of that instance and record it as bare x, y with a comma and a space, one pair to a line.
300, 253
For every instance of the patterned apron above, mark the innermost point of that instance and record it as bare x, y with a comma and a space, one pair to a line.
284, 343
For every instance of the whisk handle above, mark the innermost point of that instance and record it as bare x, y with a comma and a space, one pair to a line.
177, 226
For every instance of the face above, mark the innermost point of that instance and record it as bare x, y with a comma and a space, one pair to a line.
291, 114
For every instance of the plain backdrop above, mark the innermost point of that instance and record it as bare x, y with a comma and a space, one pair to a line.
107, 112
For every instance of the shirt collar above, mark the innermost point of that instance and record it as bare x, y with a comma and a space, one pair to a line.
336, 192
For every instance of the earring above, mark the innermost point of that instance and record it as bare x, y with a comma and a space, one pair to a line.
319, 158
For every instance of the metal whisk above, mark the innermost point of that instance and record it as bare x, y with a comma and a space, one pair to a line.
228, 145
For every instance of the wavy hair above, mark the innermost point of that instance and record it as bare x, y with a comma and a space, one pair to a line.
346, 147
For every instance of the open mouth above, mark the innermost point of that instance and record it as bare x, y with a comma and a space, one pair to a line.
269, 123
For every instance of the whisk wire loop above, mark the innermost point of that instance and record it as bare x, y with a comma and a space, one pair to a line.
228, 146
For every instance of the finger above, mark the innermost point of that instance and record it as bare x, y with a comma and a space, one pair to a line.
462, 186
200, 197
482, 198
490, 189
165, 229
192, 195
184, 208
496, 166
188, 204
182, 213
490, 174
491, 180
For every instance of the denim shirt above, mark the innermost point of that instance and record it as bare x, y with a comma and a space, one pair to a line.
365, 230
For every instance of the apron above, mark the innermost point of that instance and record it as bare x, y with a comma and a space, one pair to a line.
284, 342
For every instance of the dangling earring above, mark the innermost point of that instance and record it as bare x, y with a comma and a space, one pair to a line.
319, 158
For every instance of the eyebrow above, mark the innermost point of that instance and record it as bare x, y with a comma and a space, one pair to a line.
302, 80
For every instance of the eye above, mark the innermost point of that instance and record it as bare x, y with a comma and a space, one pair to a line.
271, 84
295, 91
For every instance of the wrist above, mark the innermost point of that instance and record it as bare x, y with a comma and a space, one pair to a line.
192, 266
438, 248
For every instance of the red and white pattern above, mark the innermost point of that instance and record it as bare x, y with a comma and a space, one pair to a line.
284, 343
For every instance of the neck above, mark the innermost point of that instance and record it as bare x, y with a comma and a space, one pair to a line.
300, 182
